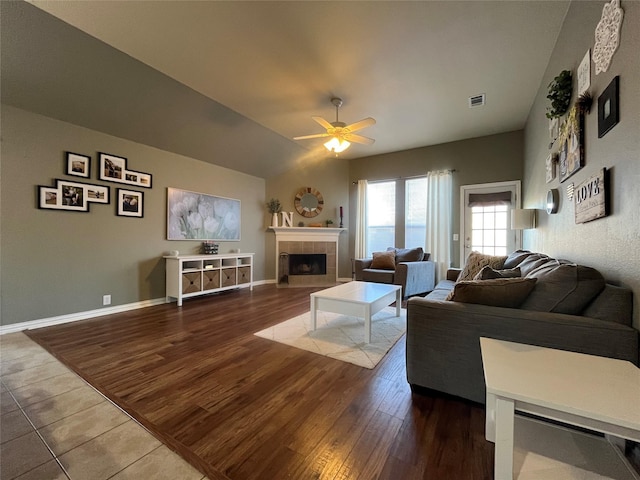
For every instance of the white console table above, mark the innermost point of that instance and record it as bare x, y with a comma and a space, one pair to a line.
192, 275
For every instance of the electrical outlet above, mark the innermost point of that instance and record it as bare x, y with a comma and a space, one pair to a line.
106, 300
456, 237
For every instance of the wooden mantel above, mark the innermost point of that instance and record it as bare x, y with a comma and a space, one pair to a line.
312, 234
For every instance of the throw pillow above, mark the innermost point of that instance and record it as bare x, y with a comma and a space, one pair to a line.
488, 273
476, 261
499, 292
384, 260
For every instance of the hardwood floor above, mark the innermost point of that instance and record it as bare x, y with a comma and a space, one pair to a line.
242, 407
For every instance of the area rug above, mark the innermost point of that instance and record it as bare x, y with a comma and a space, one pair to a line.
341, 336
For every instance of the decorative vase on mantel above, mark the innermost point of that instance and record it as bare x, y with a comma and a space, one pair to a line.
274, 208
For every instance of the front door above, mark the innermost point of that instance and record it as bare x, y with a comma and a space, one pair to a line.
486, 225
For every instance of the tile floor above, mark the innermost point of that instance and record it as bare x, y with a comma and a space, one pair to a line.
54, 426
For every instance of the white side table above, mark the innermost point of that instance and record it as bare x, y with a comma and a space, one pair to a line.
597, 393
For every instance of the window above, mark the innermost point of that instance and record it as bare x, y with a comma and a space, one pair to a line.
415, 205
381, 216
489, 229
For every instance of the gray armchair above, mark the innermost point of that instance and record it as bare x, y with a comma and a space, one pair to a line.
410, 268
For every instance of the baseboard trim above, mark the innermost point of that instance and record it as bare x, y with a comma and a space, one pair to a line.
74, 317
273, 280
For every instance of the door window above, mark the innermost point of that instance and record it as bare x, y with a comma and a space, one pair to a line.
486, 225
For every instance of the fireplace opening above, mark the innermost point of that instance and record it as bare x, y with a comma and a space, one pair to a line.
307, 264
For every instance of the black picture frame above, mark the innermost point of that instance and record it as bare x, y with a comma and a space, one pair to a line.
113, 168
129, 203
71, 196
608, 108
78, 164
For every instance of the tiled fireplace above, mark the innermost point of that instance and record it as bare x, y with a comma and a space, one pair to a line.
306, 256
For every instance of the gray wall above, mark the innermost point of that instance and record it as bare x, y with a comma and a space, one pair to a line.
610, 244
56, 263
54, 69
494, 158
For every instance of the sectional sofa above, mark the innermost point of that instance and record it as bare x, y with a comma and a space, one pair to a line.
525, 297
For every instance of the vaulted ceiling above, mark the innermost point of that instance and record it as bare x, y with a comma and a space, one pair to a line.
232, 82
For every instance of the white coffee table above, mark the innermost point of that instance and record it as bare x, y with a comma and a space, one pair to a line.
598, 393
360, 299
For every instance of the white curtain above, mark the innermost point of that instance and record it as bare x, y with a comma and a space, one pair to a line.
439, 200
361, 221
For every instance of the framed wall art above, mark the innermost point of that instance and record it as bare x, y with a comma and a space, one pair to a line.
199, 216
584, 73
608, 114
554, 130
550, 167
591, 198
129, 203
571, 155
78, 165
114, 169
71, 196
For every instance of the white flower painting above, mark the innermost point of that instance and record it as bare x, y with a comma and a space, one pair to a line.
198, 216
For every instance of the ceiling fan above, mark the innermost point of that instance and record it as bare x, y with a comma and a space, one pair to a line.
341, 134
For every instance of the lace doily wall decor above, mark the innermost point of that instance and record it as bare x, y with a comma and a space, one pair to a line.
607, 35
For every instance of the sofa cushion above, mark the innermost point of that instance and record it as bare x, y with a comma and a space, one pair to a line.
378, 276
475, 262
488, 273
384, 260
563, 287
441, 290
613, 304
499, 292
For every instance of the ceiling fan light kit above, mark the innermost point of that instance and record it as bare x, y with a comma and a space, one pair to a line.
337, 145
341, 134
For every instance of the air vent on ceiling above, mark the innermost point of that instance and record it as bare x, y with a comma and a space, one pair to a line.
476, 101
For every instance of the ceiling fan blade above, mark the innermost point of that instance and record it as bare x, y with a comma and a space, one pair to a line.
323, 122
315, 135
367, 122
352, 137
